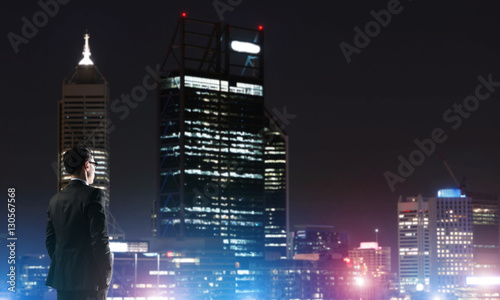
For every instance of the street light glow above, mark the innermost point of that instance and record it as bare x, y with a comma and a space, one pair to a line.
359, 281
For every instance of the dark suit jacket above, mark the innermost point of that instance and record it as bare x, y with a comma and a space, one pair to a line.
77, 239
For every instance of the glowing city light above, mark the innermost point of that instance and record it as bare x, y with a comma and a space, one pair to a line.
359, 281
483, 281
119, 247
450, 193
245, 47
86, 52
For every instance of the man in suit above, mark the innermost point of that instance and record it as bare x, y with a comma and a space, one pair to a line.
76, 235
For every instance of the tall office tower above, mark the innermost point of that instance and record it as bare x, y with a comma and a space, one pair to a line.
82, 119
212, 136
450, 219
276, 190
485, 227
414, 244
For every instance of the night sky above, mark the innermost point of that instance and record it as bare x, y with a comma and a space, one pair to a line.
352, 120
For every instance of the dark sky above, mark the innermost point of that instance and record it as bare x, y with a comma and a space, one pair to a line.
352, 120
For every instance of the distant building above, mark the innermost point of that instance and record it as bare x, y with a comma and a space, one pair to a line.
192, 268
485, 219
321, 240
446, 239
82, 119
276, 219
309, 279
371, 259
414, 244
32, 270
372, 264
451, 228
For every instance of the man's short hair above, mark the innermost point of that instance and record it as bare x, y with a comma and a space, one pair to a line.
75, 158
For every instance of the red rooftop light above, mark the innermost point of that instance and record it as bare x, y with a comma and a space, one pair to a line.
183, 14
261, 27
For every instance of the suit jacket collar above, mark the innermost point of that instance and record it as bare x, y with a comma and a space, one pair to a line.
78, 180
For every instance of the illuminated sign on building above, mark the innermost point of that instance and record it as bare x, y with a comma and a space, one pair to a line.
245, 47
450, 193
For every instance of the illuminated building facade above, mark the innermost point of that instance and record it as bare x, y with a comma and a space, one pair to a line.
319, 239
486, 233
414, 244
276, 190
306, 279
215, 142
82, 119
177, 274
191, 268
31, 271
372, 265
371, 259
450, 215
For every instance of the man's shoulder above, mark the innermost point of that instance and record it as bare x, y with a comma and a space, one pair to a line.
91, 191
78, 189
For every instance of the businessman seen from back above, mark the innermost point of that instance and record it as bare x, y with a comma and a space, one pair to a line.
76, 235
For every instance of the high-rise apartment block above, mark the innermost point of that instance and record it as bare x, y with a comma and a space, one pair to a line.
414, 244
451, 240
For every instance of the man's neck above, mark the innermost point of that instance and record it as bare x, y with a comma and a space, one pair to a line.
79, 178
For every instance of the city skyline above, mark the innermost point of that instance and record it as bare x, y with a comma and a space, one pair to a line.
339, 149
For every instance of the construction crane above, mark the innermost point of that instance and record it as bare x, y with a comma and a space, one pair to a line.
461, 186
